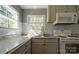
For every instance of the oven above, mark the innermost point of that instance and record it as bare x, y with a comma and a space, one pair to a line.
69, 45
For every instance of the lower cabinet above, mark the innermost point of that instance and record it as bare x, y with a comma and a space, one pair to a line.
37, 48
45, 46
28, 49
24, 49
51, 48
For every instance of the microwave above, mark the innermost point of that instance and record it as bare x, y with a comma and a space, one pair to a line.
66, 18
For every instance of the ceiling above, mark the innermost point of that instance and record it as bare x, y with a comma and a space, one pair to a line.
34, 6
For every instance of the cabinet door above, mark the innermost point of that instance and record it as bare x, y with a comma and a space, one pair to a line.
65, 8
28, 49
20, 50
37, 48
60, 8
71, 8
25, 48
51, 13
78, 11
51, 48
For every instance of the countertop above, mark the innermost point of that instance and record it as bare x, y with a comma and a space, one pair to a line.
6, 44
46, 37
9, 43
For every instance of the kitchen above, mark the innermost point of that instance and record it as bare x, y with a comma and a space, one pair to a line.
39, 29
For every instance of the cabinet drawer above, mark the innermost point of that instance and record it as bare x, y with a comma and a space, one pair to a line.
38, 40
51, 40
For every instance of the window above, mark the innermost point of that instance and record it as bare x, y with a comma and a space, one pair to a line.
8, 17
2, 10
37, 22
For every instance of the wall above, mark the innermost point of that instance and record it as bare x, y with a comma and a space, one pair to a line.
26, 12
74, 28
33, 12
6, 31
25, 28
19, 10
49, 28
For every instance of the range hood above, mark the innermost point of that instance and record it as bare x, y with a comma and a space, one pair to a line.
66, 18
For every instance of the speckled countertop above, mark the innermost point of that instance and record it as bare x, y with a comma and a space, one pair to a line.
6, 44
45, 37
9, 43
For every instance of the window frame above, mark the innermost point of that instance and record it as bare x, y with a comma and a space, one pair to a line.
43, 22
5, 17
35, 15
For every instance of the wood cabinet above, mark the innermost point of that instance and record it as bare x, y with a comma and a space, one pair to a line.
51, 48
37, 48
51, 13
53, 9
65, 8
78, 11
44, 45
28, 49
23, 49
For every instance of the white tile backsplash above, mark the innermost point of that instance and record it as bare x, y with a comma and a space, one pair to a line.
49, 28
25, 28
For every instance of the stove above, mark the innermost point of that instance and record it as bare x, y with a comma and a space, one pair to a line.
69, 45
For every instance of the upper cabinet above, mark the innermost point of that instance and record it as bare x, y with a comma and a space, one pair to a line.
71, 8
53, 9
51, 13
61, 8
65, 8
77, 11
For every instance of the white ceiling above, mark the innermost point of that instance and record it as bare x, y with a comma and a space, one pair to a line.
33, 6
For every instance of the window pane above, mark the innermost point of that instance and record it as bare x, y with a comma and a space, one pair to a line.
2, 10
36, 21
8, 16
